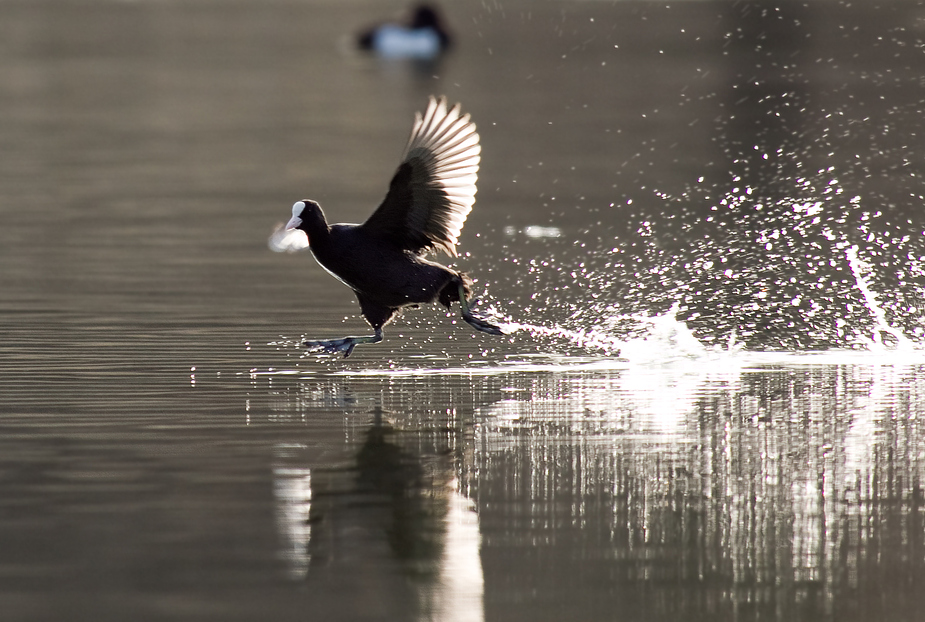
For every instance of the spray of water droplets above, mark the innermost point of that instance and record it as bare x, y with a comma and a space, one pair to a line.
815, 268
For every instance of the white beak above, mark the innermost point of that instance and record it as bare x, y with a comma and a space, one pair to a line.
293, 223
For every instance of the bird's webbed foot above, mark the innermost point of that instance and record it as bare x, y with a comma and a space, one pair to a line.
475, 321
482, 324
345, 345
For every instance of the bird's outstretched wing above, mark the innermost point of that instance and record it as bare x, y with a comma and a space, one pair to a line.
433, 189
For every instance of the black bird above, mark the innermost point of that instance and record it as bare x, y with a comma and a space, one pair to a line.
382, 260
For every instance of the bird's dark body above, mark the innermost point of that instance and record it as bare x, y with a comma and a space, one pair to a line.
384, 277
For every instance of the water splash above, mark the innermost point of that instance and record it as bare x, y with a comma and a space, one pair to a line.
860, 269
665, 337
637, 338
760, 261
585, 339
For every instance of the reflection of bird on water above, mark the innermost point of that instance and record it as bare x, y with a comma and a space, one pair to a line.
389, 496
382, 260
391, 492
424, 37
392, 527
384, 469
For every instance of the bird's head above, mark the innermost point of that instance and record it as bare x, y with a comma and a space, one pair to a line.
304, 214
307, 220
425, 16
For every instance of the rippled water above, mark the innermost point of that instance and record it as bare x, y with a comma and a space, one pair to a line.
700, 222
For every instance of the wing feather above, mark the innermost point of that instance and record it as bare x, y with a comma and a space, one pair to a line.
433, 190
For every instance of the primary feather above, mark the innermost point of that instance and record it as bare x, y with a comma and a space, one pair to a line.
433, 190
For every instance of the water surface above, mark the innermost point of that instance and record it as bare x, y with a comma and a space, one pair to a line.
700, 221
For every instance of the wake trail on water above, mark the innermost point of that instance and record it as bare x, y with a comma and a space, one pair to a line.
659, 337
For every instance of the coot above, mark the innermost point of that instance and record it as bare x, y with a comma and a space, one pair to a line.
382, 260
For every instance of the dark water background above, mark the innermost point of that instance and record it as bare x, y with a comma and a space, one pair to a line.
727, 193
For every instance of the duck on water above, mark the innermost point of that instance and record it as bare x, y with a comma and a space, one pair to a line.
423, 37
382, 260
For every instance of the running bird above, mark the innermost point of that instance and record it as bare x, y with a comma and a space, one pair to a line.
382, 260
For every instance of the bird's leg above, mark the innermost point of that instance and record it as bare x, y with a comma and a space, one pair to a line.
474, 321
345, 345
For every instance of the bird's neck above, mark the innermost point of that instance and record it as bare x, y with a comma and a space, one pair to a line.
317, 230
